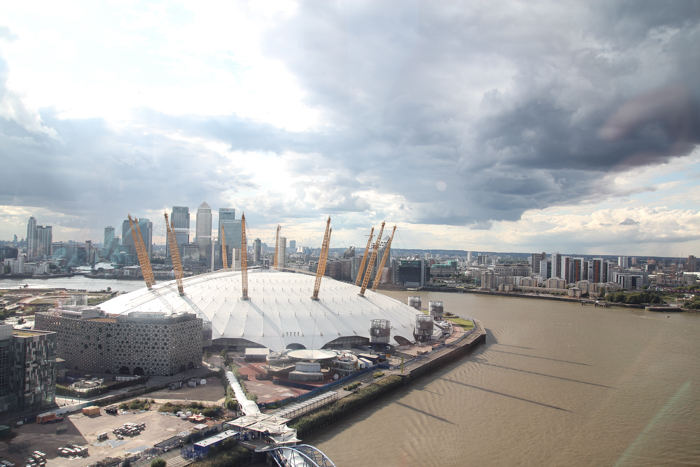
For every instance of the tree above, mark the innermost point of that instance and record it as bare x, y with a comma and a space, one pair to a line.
158, 462
126, 463
207, 354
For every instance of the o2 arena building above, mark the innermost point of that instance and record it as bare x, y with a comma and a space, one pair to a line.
279, 314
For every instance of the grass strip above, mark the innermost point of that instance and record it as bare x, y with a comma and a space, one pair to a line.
342, 407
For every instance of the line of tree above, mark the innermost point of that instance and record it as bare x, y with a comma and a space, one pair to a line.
635, 297
340, 408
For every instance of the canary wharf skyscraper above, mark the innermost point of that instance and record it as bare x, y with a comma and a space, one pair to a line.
203, 238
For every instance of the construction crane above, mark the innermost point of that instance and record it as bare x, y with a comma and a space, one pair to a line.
224, 253
277, 246
175, 254
372, 259
142, 253
321, 269
244, 260
378, 277
364, 258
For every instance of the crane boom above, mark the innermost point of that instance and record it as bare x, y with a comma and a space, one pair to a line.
372, 259
142, 253
277, 247
244, 260
378, 277
224, 252
364, 258
321, 269
174, 254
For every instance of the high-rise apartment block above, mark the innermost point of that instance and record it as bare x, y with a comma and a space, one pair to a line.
535, 261
44, 239
692, 265
556, 265
27, 370
257, 251
31, 237
293, 245
39, 240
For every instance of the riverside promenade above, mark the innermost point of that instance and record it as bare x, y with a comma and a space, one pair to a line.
425, 363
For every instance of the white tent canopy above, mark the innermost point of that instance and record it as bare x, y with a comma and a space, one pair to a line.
280, 311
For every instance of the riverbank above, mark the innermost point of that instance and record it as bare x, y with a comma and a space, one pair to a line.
392, 380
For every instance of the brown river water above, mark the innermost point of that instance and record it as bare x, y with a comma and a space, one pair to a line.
555, 384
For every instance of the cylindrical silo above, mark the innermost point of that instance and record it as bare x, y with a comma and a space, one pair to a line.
436, 310
415, 302
379, 331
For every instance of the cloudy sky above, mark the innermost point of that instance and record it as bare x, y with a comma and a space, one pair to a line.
530, 126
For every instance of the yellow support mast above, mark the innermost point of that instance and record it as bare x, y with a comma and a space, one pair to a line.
378, 277
364, 258
224, 253
244, 260
142, 253
175, 254
321, 269
277, 247
372, 259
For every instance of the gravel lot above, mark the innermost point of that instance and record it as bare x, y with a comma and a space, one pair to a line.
83, 430
211, 392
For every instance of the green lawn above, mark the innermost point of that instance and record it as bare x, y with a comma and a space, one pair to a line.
466, 324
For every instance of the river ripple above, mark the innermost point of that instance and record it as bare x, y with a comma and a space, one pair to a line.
555, 384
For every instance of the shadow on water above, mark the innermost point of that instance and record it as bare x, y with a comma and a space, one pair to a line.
423, 412
516, 346
543, 358
494, 340
508, 395
479, 361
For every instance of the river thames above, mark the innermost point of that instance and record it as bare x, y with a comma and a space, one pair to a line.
555, 384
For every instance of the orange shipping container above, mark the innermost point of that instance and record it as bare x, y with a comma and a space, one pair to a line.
91, 411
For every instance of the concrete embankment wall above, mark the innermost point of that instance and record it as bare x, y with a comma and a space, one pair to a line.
459, 350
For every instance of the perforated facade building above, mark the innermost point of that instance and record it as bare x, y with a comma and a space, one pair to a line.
139, 343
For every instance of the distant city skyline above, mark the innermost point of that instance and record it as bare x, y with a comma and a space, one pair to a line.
470, 126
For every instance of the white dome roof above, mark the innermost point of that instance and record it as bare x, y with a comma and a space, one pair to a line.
280, 310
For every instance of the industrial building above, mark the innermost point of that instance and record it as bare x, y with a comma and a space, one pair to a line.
279, 313
27, 370
135, 342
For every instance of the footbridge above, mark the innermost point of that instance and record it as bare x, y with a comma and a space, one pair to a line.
301, 455
280, 438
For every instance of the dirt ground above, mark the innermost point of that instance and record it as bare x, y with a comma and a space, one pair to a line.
83, 430
209, 393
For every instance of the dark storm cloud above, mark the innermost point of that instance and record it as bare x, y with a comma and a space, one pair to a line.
466, 113
503, 104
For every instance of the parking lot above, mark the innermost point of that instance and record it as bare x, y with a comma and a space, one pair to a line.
83, 431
